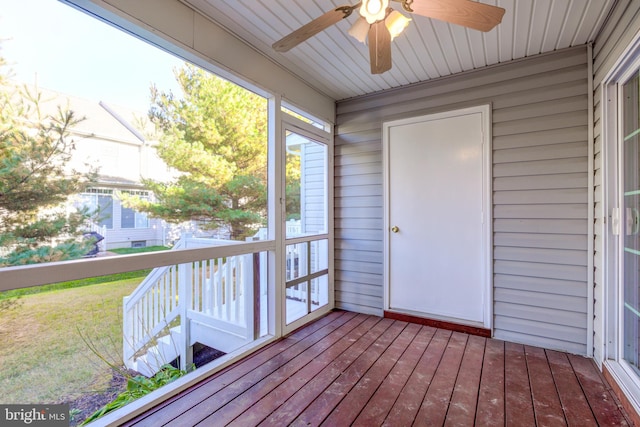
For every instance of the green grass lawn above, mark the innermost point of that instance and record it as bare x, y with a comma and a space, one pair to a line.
43, 356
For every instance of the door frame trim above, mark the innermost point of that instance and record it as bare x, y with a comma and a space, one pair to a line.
487, 232
611, 288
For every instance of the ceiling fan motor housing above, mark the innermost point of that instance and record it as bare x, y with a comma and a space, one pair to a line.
374, 10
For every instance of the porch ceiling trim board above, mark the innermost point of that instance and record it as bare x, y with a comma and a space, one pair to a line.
354, 369
540, 164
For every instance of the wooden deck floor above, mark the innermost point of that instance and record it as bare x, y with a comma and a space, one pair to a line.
354, 369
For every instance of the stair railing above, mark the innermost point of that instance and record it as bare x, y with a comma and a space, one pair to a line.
163, 296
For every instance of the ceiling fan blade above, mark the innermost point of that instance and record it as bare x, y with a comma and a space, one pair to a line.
379, 48
467, 13
312, 28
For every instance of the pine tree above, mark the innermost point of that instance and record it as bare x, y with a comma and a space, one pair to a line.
35, 182
215, 136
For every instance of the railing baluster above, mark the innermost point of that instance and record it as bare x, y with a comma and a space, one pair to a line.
145, 314
167, 293
228, 291
155, 303
212, 287
158, 317
137, 321
195, 295
206, 284
174, 287
237, 288
219, 289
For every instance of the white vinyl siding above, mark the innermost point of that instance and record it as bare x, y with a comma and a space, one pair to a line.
622, 26
540, 192
313, 190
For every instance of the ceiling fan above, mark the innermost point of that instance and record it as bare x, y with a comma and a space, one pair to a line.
380, 23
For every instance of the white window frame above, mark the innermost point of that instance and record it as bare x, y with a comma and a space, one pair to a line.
144, 195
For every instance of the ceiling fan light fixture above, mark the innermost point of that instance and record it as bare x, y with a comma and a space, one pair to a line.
374, 10
396, 22
360, 29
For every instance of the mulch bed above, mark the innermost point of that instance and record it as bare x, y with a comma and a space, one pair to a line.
88, 403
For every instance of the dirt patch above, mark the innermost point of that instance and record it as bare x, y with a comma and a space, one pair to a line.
85, 405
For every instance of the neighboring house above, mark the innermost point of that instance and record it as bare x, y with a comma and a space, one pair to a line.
107, 138
549, 169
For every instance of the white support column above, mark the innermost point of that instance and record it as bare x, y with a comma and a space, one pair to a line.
275, 294
184, 300
248, 294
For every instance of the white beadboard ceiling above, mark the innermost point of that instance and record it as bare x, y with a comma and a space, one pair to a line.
338, 65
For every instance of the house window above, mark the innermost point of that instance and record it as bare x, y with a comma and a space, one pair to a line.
631, 222
99, 201
132, 219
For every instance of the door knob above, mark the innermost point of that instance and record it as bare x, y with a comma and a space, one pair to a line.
395, 229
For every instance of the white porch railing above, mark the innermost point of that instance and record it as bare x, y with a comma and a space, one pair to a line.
294, 227
209, 301
213, 301
300, 261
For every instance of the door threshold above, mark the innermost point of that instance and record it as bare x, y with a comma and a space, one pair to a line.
438, 323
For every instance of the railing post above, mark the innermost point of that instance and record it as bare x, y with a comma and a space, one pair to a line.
127, 334
185, 273
248, 288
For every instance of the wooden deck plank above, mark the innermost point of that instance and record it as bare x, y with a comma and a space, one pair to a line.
404, 411
576, 409
435, 405
383, 399
245, 401
356, 369
315, 413
546, 402
231, 393
518, 400
462, 409
306, 395
490, 411
601, 400
183, 402
345, 413
277, 396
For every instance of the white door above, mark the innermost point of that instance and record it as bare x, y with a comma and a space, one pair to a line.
438, 230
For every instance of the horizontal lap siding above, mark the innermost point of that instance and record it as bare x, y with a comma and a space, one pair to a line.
540, 164
313, 190
358, 254
616, 35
